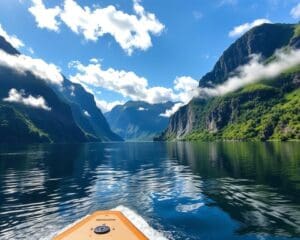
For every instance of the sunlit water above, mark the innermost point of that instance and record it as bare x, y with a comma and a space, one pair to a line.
183, 190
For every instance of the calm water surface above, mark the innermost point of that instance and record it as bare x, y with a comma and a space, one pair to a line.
184, 190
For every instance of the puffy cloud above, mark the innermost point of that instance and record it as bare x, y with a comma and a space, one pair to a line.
22, 64
241, 29
45, 17
295, 12
107, 106
12, 39
128, 84
159, 94
185, 83
187, 89
169, 112
253, 72
16, 96
131, 31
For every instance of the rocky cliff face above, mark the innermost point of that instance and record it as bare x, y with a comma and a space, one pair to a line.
263, 40
263, 111
254, 112
86, 113
184, 120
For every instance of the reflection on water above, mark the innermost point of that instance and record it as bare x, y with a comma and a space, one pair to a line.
184, 190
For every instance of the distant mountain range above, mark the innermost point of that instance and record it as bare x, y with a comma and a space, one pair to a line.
72, 115
263, 110
137, 120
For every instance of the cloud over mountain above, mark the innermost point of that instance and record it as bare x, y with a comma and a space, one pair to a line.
186, 88
253, 72
12, 39
107, 106
241, 29
38, 67
16, 96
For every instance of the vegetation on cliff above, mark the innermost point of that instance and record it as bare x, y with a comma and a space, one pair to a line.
266, 110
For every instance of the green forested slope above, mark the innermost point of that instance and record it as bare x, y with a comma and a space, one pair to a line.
257, 112
15, 127
266, 110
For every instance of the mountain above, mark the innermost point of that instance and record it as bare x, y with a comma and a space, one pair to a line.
267, 110
137, 120
263, 40
86, 113
74, 119
20, 123
7, 47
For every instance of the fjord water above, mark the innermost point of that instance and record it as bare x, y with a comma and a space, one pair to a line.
184, 190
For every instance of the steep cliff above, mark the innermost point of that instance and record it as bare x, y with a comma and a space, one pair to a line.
261, 111
263, 40
86, 113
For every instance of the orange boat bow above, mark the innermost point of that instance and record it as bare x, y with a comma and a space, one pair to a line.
102, 225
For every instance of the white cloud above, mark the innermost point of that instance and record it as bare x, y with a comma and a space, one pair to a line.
241, 29
86, 113
141, 109
22, 64
12, 39
186, 89
45, 17
128, 84
185, 83
253, 72
107, 106
16, 96
159, 94
295, 12
169, 112
131, 31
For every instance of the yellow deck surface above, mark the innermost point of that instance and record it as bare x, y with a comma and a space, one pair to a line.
120, 228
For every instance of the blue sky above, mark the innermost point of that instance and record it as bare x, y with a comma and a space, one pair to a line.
180, 39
